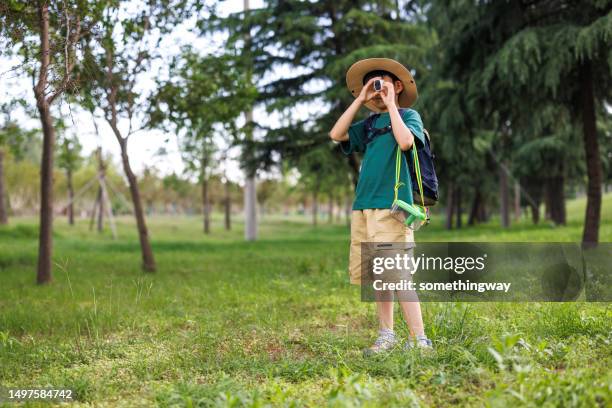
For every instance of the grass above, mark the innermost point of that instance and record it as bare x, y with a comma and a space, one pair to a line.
229, 323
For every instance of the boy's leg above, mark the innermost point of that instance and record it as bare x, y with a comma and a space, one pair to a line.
384, 300
388, 228
358, 235
386, 340
412, 314
411, 311
384, 309
413, 317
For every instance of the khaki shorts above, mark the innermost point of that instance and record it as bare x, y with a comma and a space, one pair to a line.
375, 225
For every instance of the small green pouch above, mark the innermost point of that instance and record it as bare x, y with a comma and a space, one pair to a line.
415, 217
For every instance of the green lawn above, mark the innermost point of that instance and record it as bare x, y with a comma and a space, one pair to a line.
229, 323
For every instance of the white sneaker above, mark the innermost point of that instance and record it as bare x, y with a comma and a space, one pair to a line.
420, 341
386, 341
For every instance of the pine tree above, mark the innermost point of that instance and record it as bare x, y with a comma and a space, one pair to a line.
316, 42
528, 53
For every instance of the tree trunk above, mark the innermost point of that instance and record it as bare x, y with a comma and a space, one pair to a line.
473, 217
448, 223
330, 210
250, 209
480, 212
101, 171
458, 203
517, 200
535, 213
148, 262
548, 199
3, 207
504, 197
205, 198
100, 210
483, 215
250, 186
205, 204
556, 199
45, 237
70, 197
315, 206
590, 235
534, 187
92, 220
228, 207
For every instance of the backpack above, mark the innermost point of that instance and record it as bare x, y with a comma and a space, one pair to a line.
425, 162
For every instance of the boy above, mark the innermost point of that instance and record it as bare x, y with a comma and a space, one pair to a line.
371, 219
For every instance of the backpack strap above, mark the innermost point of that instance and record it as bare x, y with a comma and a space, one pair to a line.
368, 127
372, 133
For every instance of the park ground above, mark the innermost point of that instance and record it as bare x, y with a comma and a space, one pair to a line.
224, 322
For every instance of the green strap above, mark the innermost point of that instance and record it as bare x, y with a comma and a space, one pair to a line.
398, 183
417, 170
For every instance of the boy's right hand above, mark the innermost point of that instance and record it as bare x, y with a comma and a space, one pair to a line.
339, 132
368, 92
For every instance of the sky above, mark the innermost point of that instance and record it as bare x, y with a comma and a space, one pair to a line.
142, 146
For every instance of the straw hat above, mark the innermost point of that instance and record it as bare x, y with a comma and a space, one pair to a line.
357, 71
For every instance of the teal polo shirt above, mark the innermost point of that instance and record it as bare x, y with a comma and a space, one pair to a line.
377, 174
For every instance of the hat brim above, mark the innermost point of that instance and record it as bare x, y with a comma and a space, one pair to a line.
357, 71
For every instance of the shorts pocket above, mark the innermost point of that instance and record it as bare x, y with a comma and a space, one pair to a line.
388, 228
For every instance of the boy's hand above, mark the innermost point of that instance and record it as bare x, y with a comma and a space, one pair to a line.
388, 94
368, 92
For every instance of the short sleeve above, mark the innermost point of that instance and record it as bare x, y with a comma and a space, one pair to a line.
413, 121
356, 142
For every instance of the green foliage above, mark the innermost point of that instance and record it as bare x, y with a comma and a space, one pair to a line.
12, 136
118, 53
513, 71
316, 42
202, 94
69, 156
69, 23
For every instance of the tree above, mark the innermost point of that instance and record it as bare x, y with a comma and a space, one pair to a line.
202, 94
250, 182
13, 139
318, 172
69, 159
317, 42
530, 54
267, 189
114, 59
45, 35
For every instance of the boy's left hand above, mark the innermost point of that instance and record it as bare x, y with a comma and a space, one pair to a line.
388, 94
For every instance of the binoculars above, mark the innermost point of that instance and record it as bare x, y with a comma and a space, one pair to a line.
378, 84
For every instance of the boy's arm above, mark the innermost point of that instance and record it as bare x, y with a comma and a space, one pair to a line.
339, 132
403, 134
